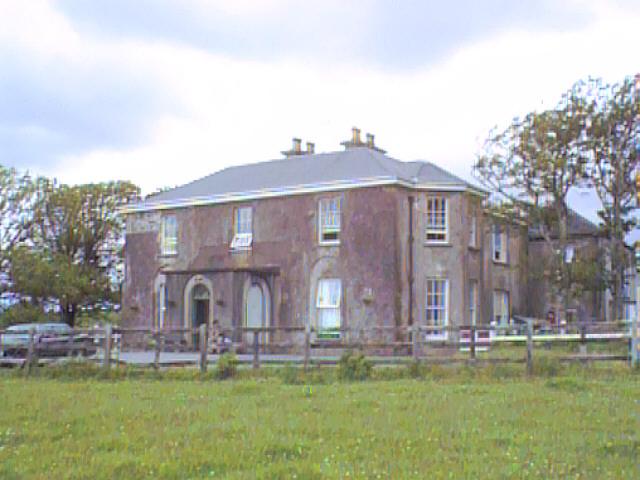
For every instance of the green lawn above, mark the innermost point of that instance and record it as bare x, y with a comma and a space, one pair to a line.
577, 426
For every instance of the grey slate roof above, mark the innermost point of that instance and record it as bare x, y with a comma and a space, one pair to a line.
578, 226
354, 165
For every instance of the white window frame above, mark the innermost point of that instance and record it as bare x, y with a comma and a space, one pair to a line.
329, 220
169, 235
326, 304
501, 299
473, 302
242, 228
499, 255
437, 220
473, 231
442, 307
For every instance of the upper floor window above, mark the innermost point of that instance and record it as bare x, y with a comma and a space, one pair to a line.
473, 231
328, 307
437, 224
499, 244
242, 228
501, 307
169, 235
437, 306
329, 217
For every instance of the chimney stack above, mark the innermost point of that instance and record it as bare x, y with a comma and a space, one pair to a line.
370, 138
355, 136
297, 146
311, 147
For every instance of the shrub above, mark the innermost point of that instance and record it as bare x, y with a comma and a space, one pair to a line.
415, 369
354, 367
227, 366
290, 374
24, 312
546, 367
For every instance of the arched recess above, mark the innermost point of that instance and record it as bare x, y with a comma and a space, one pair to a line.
191, 288
326, 267
160, 301
257, 305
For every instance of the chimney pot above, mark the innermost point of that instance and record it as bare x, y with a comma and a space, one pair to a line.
370, 142
356, 136
297, 145
311, 147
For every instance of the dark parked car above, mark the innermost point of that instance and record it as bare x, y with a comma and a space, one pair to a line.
50, 339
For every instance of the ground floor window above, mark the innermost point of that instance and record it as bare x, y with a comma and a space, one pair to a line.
501, 307
437, 306
328, 307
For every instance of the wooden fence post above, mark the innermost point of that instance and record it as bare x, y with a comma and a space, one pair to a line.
635, 332
415, 346
307, 345
108, 334
203, 330
31, 350
70, 345
256, 348
529, 346
472, 344
583, 338
157, 349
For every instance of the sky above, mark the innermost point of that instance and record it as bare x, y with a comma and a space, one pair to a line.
161, 92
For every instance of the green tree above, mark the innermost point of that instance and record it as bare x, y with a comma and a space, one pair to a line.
16, 199
73, 248
613, 146
532, 165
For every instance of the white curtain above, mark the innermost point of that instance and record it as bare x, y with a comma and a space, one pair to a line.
328, 303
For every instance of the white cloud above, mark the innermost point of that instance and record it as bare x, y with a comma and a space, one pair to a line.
236, 111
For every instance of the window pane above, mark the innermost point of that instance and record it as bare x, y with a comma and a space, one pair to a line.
169, 232
436, 218
329, 293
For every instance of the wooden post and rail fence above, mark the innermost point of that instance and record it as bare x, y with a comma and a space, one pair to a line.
471, 344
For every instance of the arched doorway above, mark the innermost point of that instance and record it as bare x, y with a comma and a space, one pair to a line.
198, 301
257, 307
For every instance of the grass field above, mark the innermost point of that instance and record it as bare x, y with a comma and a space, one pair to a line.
575, 425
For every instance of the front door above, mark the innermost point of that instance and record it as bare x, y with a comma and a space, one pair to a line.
200, 310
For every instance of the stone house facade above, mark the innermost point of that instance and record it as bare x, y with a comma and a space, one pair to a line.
342, 240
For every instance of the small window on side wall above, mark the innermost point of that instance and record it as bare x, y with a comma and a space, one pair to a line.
437, 224
500, 244
473, 231
328, 307
242, 228
169, 235
329, 214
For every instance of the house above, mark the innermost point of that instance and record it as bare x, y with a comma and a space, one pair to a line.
587, 243
345, 239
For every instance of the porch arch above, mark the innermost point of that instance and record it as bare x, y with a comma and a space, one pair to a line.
194, 282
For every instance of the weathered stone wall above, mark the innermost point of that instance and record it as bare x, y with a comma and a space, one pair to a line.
372, 259
285, 238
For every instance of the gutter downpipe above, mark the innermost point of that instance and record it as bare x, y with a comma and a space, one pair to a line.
410, 269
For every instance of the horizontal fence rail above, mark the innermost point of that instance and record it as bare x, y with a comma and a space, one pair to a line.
306, 345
